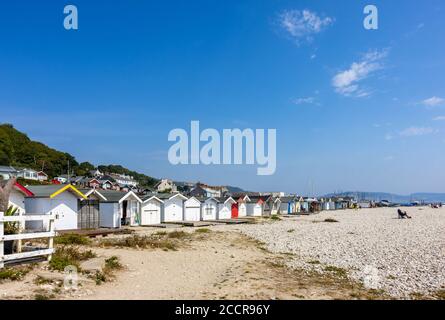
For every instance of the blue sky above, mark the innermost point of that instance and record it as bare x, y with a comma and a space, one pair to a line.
354, 109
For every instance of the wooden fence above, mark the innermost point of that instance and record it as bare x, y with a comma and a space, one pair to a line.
23, 235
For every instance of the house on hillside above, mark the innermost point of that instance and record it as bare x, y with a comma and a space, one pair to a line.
17, 196
204, 190
165, 185
123, 180
7, 172
60, 200
28, 174
95, 173
42, 176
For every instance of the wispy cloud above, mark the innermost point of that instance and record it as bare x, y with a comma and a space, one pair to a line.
303, 25
416, 131
433, 102
389, 136
389, 158
439, 118
307, 100
347, 82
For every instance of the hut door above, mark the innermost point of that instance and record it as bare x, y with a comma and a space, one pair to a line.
88, 214
234, 210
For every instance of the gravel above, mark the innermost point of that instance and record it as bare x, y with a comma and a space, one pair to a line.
398, 256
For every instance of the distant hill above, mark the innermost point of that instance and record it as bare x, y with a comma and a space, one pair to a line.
396, 198
17, 150
234, 189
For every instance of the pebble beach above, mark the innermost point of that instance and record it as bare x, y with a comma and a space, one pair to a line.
402, 257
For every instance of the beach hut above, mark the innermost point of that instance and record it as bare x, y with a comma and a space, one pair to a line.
255, 206
287, 205
192, 209
275, 205
173, 209
119, 209
59, 200
151, 209
242, 206
225, 208
17, 196
89, 209
210, 209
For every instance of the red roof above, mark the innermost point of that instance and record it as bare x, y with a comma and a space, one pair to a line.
23, 189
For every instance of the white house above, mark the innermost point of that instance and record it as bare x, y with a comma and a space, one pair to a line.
60, 200
192, 209
210, 209
61, 179
151, 210
173, 210
7, 172
119, 208
165, 185
124, 180
225, 208
42, 176
28, 174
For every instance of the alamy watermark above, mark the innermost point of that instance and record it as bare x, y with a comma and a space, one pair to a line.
71, 278
71, 20
226, 148
371, 277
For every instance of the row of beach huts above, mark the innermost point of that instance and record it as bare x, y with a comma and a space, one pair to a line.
89, 208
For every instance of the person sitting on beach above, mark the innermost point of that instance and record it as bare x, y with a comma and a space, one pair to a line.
403, 214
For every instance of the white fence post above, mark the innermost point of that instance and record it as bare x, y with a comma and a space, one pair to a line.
2, 250
51, 239
20, 228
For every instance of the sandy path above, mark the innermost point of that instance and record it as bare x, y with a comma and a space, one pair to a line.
183, 274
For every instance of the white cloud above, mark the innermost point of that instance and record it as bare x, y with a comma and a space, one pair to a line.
389, 158
389, 136
416, 131
303, 24
307, 100
439, 118
347, 81
433, 102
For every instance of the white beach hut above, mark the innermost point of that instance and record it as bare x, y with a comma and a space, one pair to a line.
151, 209
210, 209
192, 209
173, 209
225, 208
59, 200
120, 208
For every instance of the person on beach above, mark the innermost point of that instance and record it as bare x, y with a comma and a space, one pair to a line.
403, 214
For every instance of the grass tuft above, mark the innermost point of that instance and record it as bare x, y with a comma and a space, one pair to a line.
66, 256
203, 230
13, 274
72, 238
